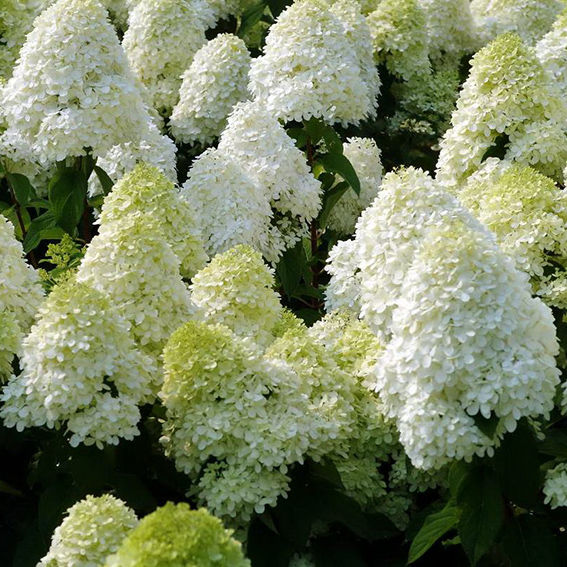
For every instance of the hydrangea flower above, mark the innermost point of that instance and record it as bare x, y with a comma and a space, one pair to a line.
72, 88
528, 214
231, 207
234, 419
551, 51
311, 67
20, 296
450, 27
81, 368
92, 530
469, 343
259, 144
236, 290
16, 20
153, 149
222, 9
555, 486
161, 40
508, 100
132, 262
175, 535
530, 19
364, 155
146, 193
215, 81
399, 37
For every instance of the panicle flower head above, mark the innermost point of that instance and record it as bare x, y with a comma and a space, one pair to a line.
364, 155
236, 290
311, 66
152, 149
147, 193
259, 144
215, 81
72, 89
508, 100
343, 290
92, 530
161, 40
175, 535
231, 207
551, 51
530, 19
555, 486
399, 38
20, 295
233, 415
79, 367
528, 214
469, 342
132, 263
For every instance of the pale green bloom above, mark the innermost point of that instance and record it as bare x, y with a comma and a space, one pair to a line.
555, 486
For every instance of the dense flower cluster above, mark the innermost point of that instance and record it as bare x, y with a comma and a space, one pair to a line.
312, 66
92, 530
528, 214
399, 37
555, 486
161, 40
72, 89
20, 296
364, 155
551, 51
147, 193
79, 367
509, 104
236, 290
215, 81
531, 19
175, 535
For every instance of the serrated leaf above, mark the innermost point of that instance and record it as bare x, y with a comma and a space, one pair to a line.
436, 525
44, 222
338, 163
22, 188
330, 199
251, 17
67, 193
105, 180
482, 512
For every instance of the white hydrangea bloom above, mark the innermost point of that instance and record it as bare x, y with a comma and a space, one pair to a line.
20, 295
528, 214
468, 342
161, 40
72, 88
530, 19
399, 37
343, 290
215, 81
92, 530
133, 263
236, 290
259, 144
118, 12
551, 51
222, 9
231, 207
555, 486
311, 67
364, 155
146, 193
153, 149
79, 367
507, 97
450, 27
232, 416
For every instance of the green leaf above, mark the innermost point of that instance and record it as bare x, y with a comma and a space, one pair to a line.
436, 525
517, 465
44, 222
457, 473
529, 542
338, 163
67, 192
330, 199
251, 17
105, 180
21, 187
299, 135
554, 444
482, 512
7, 488
487, 425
